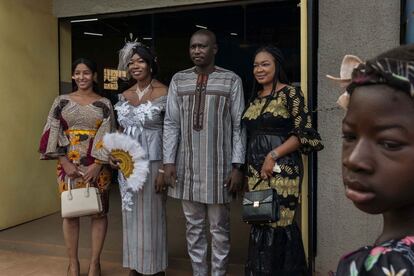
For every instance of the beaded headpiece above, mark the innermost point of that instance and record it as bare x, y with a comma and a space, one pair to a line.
126, 53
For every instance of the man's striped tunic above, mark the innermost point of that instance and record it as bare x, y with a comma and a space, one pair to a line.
202, 133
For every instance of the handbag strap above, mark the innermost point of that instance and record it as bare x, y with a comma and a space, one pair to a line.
258, 182
70, 196
267, 102
70, 186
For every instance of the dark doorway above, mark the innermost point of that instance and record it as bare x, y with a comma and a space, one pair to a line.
240, 30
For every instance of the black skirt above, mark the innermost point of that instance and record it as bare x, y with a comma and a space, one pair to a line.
276, 252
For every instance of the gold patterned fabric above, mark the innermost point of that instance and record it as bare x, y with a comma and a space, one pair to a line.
270, 121
76, 131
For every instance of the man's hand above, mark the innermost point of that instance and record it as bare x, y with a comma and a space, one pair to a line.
170, 176
160, 185
245, 187
235, 182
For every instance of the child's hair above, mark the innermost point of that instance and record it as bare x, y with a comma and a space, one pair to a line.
394, 68
405, 52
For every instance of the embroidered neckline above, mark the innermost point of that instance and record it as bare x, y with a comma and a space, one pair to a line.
68, 97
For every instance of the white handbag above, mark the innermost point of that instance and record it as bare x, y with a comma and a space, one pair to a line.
80, 202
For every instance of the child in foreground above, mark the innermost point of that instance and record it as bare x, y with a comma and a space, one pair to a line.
378, 160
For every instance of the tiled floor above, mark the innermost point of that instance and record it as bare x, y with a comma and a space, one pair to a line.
36, 248
24, 264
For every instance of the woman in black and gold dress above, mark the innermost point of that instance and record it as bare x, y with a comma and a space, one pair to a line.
279, 129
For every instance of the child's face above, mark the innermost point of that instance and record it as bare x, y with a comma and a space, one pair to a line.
378, 149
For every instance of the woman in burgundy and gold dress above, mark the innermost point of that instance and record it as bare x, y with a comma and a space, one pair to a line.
73, 135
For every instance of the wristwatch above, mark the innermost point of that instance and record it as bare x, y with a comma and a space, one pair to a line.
238, 166
274, 155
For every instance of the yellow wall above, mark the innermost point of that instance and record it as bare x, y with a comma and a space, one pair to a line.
28, 84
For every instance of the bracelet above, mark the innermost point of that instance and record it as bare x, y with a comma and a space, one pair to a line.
161, 171
274, 155
96, 161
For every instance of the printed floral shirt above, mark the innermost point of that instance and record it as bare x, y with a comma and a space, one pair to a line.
391, 258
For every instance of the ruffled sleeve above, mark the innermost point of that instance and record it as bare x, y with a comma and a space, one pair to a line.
309, 138
107, 126
54, 142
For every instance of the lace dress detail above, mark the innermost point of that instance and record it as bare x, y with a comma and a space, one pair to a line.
143, 212
138, 122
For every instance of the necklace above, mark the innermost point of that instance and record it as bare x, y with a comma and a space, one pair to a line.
141, 93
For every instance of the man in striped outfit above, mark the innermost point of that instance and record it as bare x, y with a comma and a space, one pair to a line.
204, 148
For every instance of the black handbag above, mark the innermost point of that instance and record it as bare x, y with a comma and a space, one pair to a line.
260, 206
